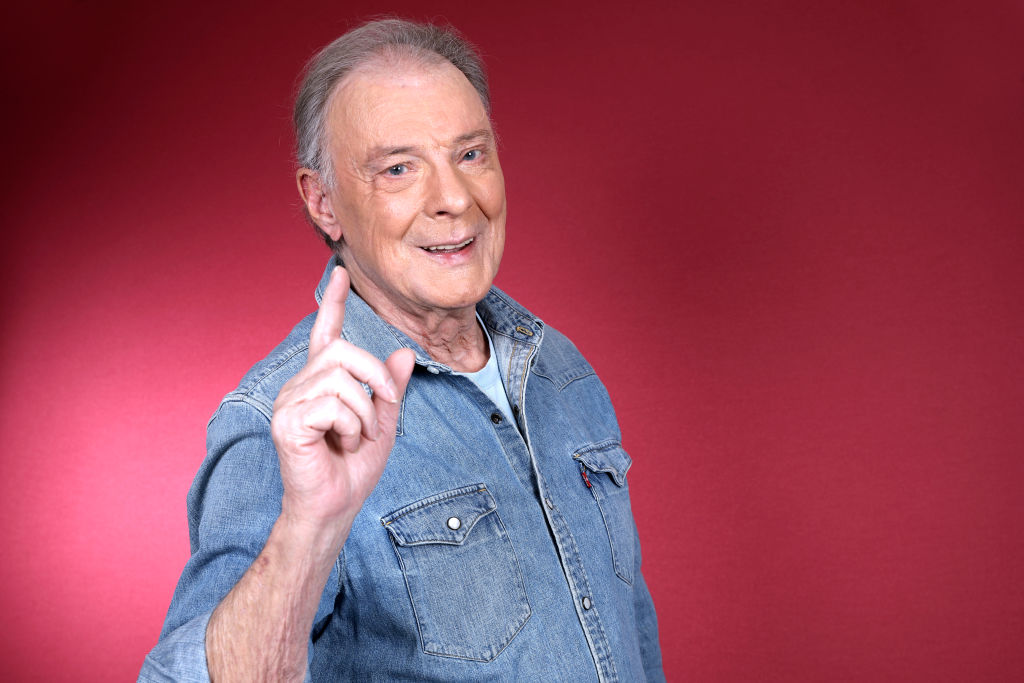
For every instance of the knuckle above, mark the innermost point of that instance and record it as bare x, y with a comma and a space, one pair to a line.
336, 375
276, 431
279, 417
287, 441
348, 423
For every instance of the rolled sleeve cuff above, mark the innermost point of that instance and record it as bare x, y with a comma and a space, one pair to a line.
181, 656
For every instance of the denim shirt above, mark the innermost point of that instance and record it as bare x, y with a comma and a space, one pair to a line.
487, 551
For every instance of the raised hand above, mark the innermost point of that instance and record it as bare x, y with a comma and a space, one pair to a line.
332, 439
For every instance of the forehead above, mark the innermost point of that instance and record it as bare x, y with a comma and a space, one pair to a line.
385, 100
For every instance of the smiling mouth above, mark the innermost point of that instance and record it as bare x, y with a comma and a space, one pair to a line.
448, 248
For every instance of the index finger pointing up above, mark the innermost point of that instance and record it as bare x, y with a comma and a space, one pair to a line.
331, 315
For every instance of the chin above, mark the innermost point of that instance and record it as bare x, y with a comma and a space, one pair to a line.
463, 298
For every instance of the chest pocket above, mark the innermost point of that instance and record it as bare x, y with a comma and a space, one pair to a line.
605, 465
463, 576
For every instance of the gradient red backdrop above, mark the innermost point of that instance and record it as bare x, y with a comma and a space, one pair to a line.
789, 238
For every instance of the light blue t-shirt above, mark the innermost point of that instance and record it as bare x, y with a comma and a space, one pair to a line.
488, 379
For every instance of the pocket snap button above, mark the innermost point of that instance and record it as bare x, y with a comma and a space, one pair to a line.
454, 523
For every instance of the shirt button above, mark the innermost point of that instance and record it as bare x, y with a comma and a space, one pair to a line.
586, 603
432, 370
454, 523
495, 418
551, 506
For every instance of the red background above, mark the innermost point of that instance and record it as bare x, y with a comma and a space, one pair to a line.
789, 238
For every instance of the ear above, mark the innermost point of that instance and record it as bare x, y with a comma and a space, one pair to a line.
315, 196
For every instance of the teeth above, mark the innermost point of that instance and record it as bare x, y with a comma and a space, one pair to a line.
449, 247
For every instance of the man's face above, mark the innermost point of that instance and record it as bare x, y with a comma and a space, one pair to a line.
420, 198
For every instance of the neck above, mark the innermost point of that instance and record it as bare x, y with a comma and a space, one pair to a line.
453, 337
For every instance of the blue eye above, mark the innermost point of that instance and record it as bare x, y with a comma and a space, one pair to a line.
397, 170
471, 155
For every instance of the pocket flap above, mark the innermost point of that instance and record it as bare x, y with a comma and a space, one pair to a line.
606, 457
442, 518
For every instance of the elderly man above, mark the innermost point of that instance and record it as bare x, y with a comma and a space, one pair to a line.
423, 481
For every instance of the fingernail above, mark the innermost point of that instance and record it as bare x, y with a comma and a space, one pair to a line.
392, 392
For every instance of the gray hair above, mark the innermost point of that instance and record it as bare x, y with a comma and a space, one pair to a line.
384, 38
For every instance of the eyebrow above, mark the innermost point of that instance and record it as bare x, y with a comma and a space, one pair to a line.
480, 135
382, 151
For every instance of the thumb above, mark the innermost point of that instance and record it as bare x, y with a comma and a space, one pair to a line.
400, 364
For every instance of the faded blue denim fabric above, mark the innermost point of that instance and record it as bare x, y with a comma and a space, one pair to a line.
486, 552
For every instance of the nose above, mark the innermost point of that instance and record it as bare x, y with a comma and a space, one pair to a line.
449, 192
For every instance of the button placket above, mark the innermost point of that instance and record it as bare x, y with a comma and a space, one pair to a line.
578, 583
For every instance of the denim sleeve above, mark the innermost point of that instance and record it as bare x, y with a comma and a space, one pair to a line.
232, 506
647, 625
